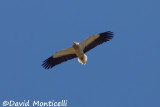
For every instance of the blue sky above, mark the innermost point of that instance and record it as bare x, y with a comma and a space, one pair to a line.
123, 72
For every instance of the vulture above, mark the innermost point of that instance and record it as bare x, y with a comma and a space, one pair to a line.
77, 50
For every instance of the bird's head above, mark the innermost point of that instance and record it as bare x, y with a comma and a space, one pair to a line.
75, 45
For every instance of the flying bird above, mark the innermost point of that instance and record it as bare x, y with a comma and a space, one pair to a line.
77, 50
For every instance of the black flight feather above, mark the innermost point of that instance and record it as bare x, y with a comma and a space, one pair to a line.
104, 37
51, 61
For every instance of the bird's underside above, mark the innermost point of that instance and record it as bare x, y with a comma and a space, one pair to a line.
82, 58
77, 50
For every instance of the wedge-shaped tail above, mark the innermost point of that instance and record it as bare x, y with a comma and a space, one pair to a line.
83, 60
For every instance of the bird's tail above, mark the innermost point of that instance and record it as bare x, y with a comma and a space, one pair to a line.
83, 60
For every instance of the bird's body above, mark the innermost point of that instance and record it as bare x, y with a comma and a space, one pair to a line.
82, 58
77, 50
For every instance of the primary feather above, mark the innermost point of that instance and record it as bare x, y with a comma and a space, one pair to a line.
94, 40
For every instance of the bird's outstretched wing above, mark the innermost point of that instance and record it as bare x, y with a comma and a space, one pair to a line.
94, 40
59, 57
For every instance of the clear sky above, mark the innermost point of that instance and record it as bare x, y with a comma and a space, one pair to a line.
124, 72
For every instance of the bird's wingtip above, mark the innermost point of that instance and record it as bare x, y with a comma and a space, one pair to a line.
47, 64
